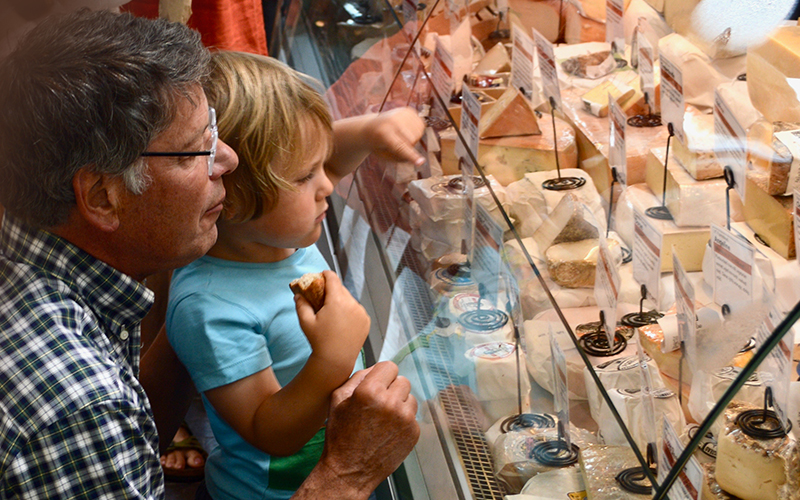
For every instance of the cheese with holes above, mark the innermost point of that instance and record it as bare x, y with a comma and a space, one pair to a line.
770, 217
512, 114
691, 202
697, 155
495, 61
509, 158
756, 469
689, 241
573, 264
569, 221
769, 157
700, 74
596, 100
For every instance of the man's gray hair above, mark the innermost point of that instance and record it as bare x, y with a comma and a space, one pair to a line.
90, 89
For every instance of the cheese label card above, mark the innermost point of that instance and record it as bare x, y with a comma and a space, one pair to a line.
547, 67
522, 64
561, 389
684, 303
646, 70
615, 31
648, 404
733, 266
690, 479
673, 104
467, 172
791, 139
423, 147
470, 118
410, 15
502, 8
617, 155
730, 142
646, 254
606, 290
778, 364
442, 71
485, 257
796, 217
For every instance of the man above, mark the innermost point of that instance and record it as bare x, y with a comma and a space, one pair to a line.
111, 172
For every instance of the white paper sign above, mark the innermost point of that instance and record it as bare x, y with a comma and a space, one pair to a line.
646, 254
648, 404
561, 388
778, 364
684, 303
690, 480
672, 102
606, 290
485, 257
615, 30
442, 71
796, 200
647, 71
617, 154
522, 64
547, 68
733, 266
470, 117
730, 142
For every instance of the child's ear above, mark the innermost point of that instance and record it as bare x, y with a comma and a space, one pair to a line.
98, 197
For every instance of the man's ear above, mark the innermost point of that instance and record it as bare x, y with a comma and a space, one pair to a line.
98, 198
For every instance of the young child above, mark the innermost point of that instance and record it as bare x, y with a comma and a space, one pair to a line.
232, 318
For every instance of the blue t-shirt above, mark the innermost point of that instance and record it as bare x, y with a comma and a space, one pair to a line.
226, 321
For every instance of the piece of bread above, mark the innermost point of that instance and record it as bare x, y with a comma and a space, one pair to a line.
312, 287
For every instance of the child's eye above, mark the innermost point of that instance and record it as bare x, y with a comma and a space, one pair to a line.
306, 178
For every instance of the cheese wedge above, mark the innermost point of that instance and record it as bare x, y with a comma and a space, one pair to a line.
770, 217
596, 100
578, 28
513, 114
691, 202
495, 61
569, 221
573, 264
735, 95
510, 158
542, 15
487, 102
697, 155
689, 241
769, 158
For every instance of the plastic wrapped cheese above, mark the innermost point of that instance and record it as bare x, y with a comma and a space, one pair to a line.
559, 484
628, 403
620, 373
600, 465
527, 207
496, 378
771, 218
697, 156
769, 158
756, 469
574, 264
772, 71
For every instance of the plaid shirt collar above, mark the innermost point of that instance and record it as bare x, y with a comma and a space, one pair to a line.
118, 300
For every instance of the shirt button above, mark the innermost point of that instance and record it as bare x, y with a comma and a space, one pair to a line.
124, 334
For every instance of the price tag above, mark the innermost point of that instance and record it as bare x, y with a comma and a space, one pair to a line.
617, 154
606, 290
410, 14
561, 388
615, 30
470, 117
778, 364
673, 105
547, 67
522, 64
730, 141
791, 139
796, 204
690, 480
646, 254
486, 252
442, 71
684, 303
646, 70
733, 266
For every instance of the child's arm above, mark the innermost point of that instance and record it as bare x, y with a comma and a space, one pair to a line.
391, 134
280, 420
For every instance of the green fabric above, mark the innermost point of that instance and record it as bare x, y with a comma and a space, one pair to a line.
288, 473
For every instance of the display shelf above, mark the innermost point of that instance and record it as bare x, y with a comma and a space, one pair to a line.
414, 228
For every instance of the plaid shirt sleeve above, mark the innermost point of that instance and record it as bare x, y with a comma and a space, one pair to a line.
98, 452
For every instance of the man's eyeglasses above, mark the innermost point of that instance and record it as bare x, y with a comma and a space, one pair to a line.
211, 153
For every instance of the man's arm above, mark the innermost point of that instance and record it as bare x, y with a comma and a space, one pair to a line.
391, 135
168, 386
371, 429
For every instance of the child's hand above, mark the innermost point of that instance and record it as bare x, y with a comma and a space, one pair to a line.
338, 331
394, 133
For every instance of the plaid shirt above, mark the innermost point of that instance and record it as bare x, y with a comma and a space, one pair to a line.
74, 420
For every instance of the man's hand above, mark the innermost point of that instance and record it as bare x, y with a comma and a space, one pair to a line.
371, 429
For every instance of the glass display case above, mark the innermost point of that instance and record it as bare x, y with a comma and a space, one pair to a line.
592, 167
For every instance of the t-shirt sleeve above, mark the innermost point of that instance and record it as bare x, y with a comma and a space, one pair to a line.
218, 341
